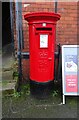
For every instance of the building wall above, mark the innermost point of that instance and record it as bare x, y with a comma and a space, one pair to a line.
67, 26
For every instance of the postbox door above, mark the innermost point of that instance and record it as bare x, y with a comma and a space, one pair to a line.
45, 57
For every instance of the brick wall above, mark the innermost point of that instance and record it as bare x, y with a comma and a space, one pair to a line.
66, 30
66, 27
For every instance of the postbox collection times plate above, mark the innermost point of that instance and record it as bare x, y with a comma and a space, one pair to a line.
43, 41
70, 71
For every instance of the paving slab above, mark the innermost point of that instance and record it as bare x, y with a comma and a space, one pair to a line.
29, 107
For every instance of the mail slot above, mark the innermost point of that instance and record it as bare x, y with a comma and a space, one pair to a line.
42, 28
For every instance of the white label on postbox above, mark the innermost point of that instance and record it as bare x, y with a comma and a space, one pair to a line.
43, 41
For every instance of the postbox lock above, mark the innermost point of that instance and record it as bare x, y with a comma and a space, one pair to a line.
44, 24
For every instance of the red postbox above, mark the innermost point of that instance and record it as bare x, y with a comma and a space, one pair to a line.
42, 27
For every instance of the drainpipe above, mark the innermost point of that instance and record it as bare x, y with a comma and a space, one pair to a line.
57, 53
58, 72
19, 41
12, 24
56, 6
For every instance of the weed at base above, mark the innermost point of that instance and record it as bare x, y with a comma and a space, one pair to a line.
25, 90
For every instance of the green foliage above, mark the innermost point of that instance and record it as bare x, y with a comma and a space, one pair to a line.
25, 90
55, 93
16, 94
15, 76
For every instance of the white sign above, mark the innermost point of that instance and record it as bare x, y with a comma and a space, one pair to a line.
70, 72
43, 41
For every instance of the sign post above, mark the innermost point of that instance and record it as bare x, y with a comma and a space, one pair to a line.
70, 71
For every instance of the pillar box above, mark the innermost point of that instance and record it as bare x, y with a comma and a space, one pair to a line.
42, 28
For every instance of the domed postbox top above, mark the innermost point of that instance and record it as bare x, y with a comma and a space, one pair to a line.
41, 16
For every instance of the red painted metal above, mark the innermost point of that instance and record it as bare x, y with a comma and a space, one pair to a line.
42, 27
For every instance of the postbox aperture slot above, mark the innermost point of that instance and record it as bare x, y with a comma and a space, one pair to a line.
43, 40
43, 29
